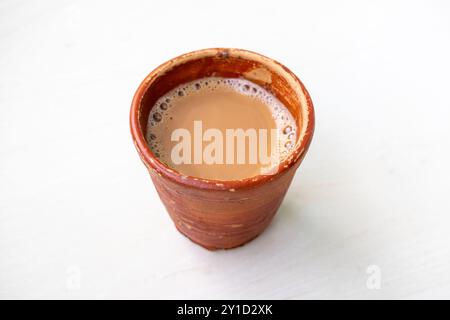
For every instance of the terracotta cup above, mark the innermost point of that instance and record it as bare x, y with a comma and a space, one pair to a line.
222, 214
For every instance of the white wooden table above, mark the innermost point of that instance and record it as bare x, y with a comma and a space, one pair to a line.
367, 216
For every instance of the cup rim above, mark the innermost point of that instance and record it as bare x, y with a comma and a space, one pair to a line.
153, 163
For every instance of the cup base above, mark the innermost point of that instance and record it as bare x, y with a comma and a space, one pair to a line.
216, 248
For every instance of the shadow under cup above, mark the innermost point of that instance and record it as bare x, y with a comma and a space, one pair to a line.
222, 214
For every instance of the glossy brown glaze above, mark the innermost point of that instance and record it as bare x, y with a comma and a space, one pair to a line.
222, 214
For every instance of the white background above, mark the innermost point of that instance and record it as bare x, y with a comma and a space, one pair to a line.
80, 218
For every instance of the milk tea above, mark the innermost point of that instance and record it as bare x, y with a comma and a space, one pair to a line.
221, 129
